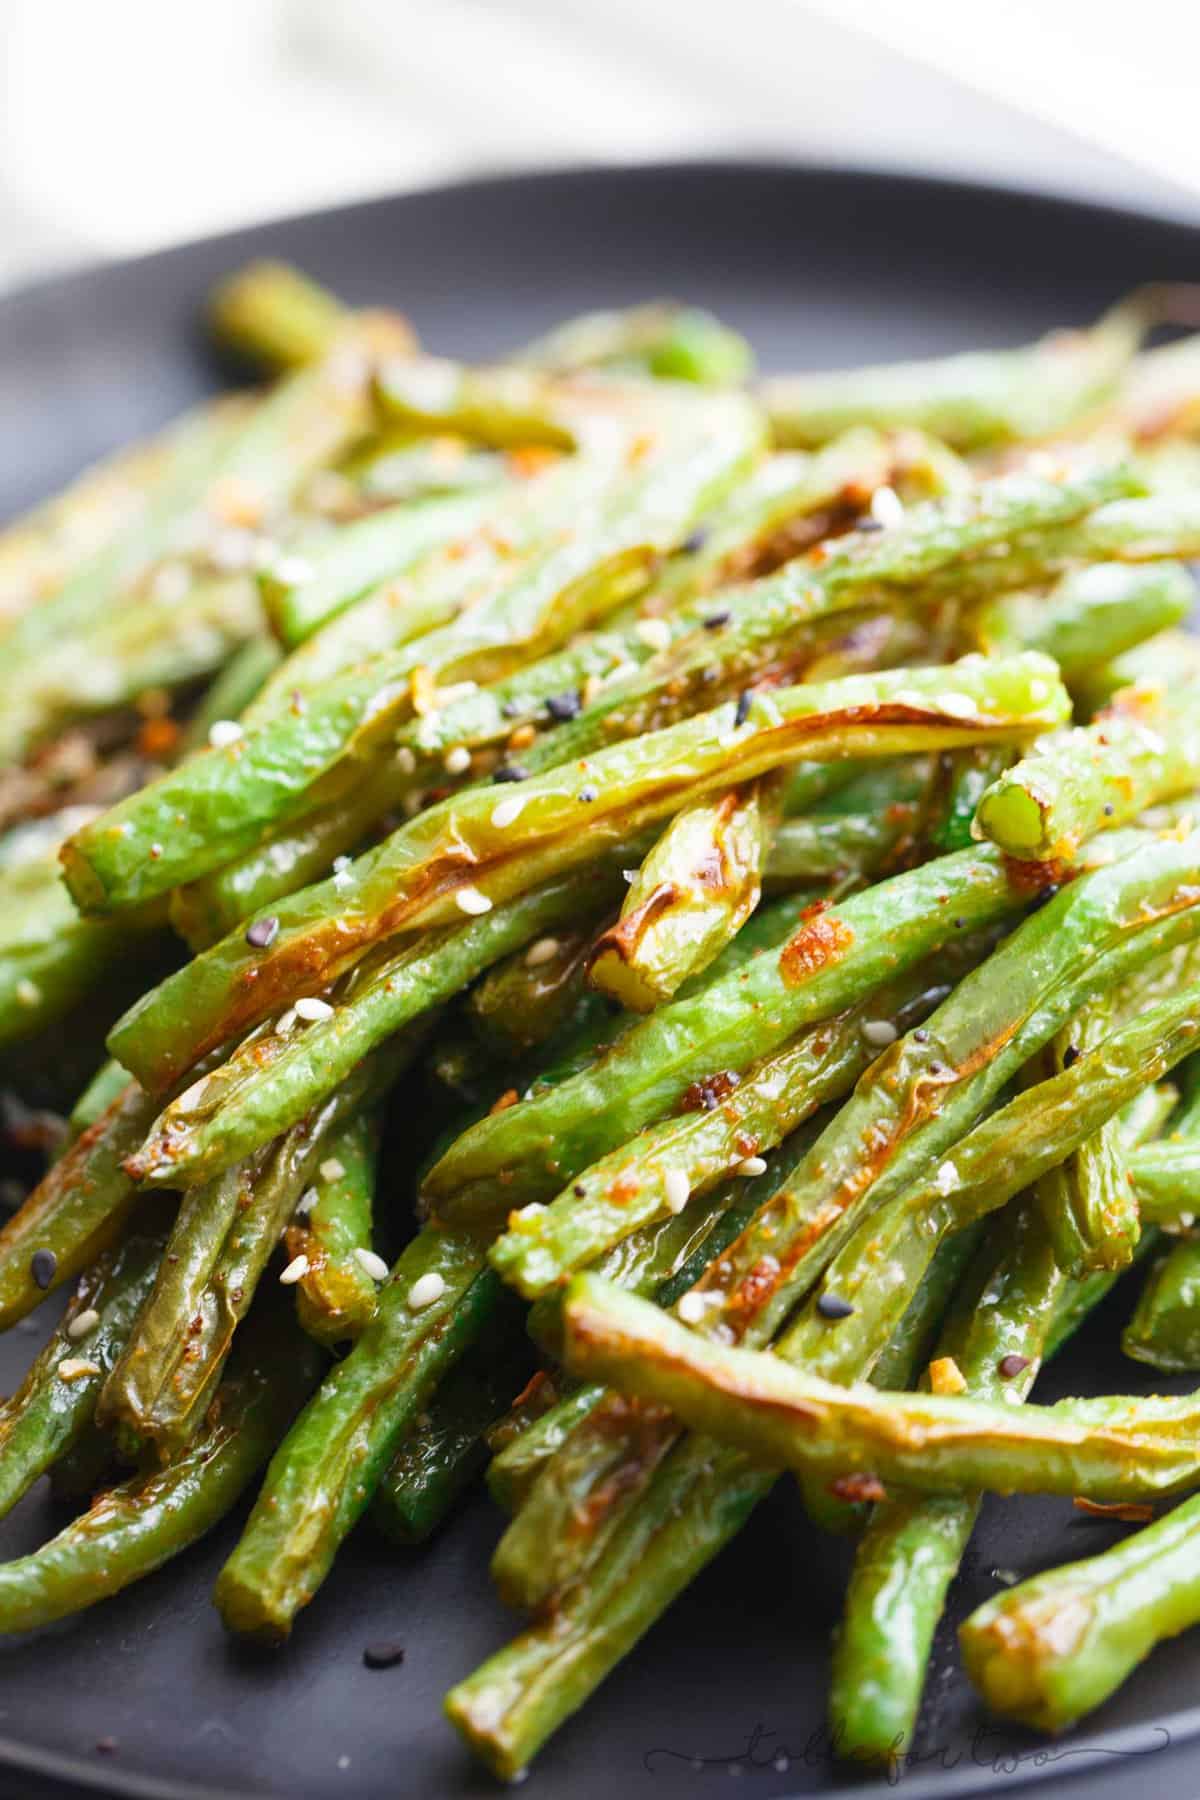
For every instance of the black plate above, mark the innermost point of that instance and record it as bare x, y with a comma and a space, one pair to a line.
819, 267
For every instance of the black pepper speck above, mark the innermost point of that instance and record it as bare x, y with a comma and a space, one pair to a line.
832, 1306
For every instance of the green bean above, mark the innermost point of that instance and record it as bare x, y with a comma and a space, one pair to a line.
1166, 1181
691, 896
1162, 1329
232, 691
662, 338
218, 805
663, 1166
77, 1211
1115, 1448
436, 1464
336, 1295
972, 400
223, 1238
135, 1527
533, 993
963, 777
858, 845
1052, 1649
272, 315
1093, 615
276, 1076
323, 1475
1135, 754
53, 1407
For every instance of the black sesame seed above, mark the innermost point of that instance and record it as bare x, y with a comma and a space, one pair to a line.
1109, 809
937, 1068
714, 621
867, 523
580, 1190
921, 1036
383, 1655
1012, 1365
511, 772
959, 923
694, 541
588, 794
565, 706
262, 933
511, 709
1070, 1056
43, 1266
832, 1306
743, 708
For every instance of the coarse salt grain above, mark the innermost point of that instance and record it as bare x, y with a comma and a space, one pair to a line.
676, 1188
296, 1270
223, 732
371, 1265
425, 1290
472, 902
313, 1010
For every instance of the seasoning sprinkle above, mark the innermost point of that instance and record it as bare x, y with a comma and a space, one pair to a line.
588, 794
43, 1266
562, 707
510, 772
832, 1306
742, 711
262, 934
714, 621
425, 1290
945, 1376
296, 1270
75, 1368
371, 1264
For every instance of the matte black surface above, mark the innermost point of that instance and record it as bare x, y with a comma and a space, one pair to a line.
820, 268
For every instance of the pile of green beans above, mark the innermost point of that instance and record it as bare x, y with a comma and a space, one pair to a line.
666, 909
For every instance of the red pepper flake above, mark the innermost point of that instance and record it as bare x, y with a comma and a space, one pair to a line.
819, 941
507, 1099
707, 1094
858, 1487
1035, 877
1126, 1512
157, 739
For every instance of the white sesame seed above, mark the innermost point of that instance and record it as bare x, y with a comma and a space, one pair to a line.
946, 1179
691, 1309
959, 706
406, 762
341, 864
285, 1022
912, 697
533, 1211
879, 1032
751, 1165
676, 1188
296, 1270
630, 875
425, 1290
191, 1097
371, 1265
171, 584
543, 951
332, 1169
223, 732
508, 811
457, 690
73, 1368
472, 902
82, 1323
28, 992
307, 1201
887, 508
654, 633
457, 761
293, 571
312, 1009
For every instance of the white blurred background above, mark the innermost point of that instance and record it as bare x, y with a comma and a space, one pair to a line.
129, 124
